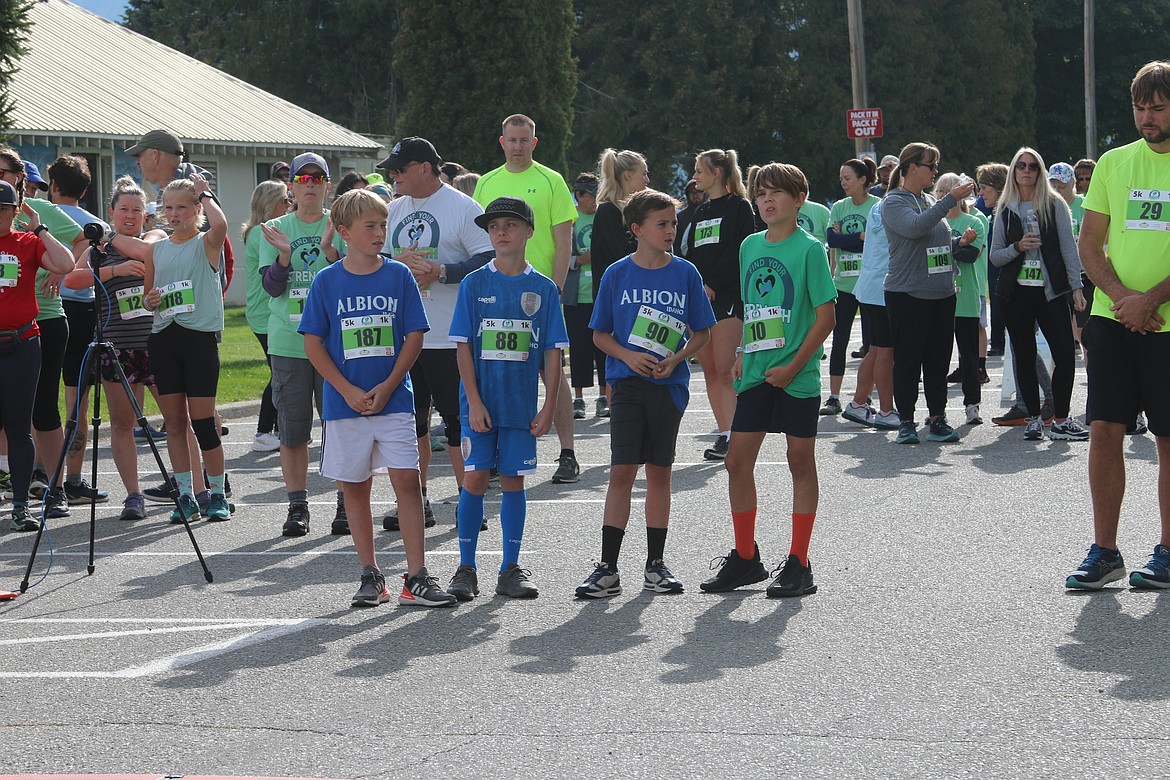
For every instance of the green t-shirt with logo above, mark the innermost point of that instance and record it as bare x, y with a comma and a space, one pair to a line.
783, 284
307, 258
1131, 186
545, 191
971, 280
852, 220
582, 241
813, 218
1077, 207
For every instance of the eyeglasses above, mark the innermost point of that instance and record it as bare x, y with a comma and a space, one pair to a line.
14, 173
933, 166
1027, 166
986, 184
310, 178
403, 169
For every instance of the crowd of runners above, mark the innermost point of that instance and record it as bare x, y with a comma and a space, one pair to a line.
424, 287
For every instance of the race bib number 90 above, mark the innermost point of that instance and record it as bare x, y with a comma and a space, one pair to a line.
763, 328
1148, 210
657, 331
364, 337
505, 340
177, 298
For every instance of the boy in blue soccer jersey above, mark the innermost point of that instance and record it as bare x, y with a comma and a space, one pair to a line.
645, 306
507, 321
363, 325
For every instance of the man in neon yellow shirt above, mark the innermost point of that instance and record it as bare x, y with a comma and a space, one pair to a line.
550, 247
1128, 209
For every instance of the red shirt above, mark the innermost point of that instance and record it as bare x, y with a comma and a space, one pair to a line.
18, 302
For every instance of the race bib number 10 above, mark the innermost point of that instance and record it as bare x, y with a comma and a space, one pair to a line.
763, 328
505, 340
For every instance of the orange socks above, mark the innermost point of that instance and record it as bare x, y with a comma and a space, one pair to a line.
802, 526
744, 526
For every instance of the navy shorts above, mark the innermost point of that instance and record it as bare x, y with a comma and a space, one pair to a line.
768, 409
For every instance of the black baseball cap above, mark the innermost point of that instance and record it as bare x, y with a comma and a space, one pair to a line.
506, 207
8, 195
163, 140
411, 149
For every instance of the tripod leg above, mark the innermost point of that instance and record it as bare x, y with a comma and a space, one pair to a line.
94, 423
174, 489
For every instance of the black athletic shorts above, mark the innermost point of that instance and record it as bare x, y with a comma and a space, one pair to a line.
435, 378
768, 409
1128, 373
184, 361
82, 318
877, 324
643, 423
726, 306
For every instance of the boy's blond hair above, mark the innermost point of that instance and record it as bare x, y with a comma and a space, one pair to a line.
355, 204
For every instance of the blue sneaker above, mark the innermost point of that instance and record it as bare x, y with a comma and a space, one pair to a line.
1099, 568
1156, 573
218, 509
941, 432
189, 506
157, 435
907, 433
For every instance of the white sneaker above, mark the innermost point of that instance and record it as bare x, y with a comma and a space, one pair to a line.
973, 417
887, 421
265, 442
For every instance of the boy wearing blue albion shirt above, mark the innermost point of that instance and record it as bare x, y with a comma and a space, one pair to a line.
646, 303
363, 325
507, 327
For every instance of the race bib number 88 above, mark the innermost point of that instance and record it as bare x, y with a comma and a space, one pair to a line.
505, 340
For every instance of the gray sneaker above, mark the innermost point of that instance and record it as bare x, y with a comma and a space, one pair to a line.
22, 520
422, 590
373, 590
133, 508
578, 408
1069, 430
1035, 429
514, 583
465, 584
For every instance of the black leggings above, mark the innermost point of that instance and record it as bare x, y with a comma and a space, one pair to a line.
583, 356
1028, 308
54, 336
267, 421
846, 310
924, 332
967, 339
18, 387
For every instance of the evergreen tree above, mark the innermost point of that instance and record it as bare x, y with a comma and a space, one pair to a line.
14, 28
466, 65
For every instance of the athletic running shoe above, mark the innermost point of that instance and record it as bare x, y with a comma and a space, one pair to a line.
1069, 430
907, 433
659, 579
297, 521
887, 421
422, 590
1047, 412
227, 483
265, 442
955, 377
1015, 416
5, 480
373, 590
567, 471
718, 450
578, 408
56, 505
831, 407
390, 520
22, 520
983, 377
133, 508
792, 578
1035, 430
1099, 568
514, 582
601, 407
601, 583
973, 417
941, 431
1156, 573
860, 353
735, 572
203, 498
82, 493
218, 509
862, 415
157, 435
39, 484
161, 494
437, 443
1138, 427
465, 584
190, 506
340, 525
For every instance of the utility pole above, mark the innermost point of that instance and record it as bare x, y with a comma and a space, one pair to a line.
1090, 83
857, 64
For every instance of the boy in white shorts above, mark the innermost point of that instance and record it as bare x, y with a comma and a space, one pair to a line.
363, 325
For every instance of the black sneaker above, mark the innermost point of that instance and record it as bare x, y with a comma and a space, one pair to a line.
297, 523
22, 520
390, 520
1138, 426
955, 377
39, 484
422, 590
133, 508
465, 584
601, 583
82, 493
735, 572
1014, 416
831, 407
792, 579
373, 589
1047, 412
718, 450
160, 494
340, 525
859, 353
567, 472
514, 582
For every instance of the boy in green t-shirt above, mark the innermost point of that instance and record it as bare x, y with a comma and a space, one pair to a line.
789, 299
577, 298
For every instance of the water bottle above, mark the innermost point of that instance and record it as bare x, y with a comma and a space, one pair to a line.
1031, 223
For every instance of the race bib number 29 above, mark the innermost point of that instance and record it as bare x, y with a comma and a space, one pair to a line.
1148, 210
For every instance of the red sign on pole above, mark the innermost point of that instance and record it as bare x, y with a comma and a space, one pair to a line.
864, 122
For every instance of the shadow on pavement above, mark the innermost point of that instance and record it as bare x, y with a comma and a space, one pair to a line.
1109, 642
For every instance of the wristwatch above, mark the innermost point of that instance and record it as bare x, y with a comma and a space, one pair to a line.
37, 230
442, 274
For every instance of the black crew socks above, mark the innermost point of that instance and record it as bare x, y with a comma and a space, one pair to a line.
611, 545
567, 454
655, 544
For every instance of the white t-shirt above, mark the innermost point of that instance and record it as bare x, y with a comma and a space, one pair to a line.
444, 226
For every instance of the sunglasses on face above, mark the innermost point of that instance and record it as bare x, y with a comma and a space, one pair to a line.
1027, 166
310, 178
403, 169
933, 166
